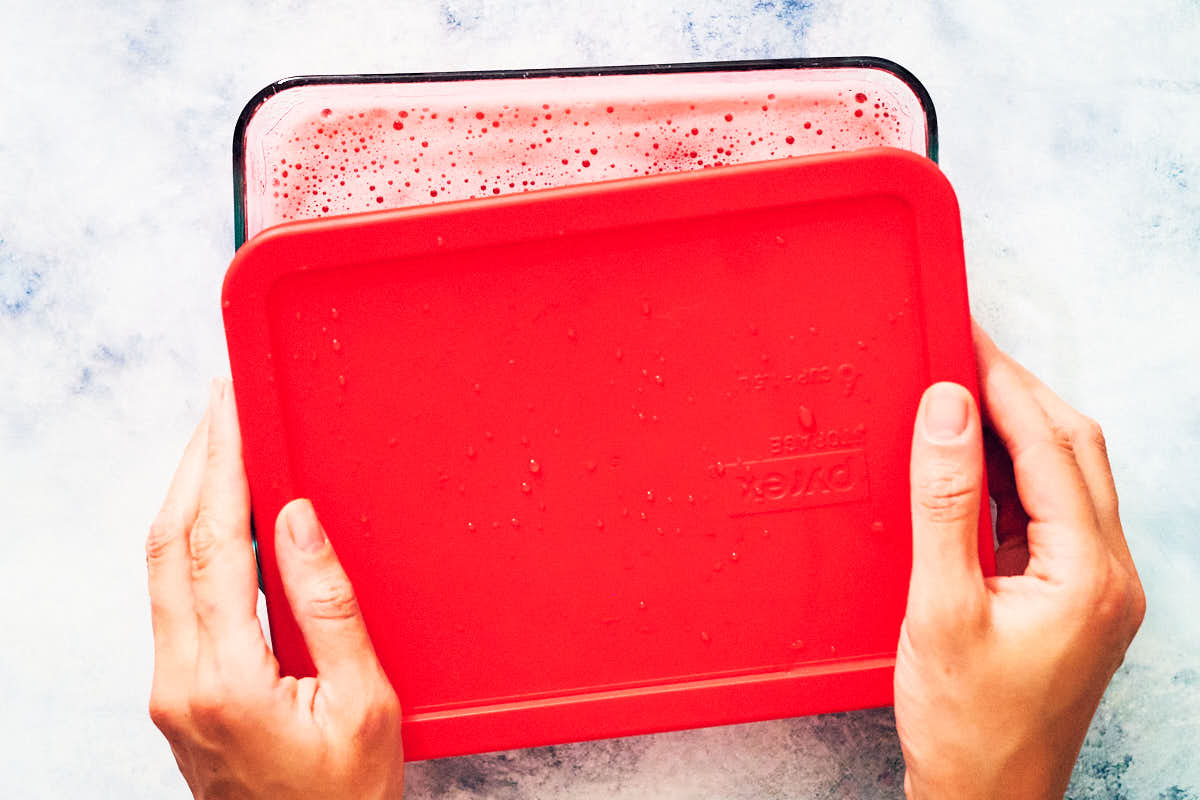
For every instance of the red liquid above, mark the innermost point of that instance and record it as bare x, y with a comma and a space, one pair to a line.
327, 149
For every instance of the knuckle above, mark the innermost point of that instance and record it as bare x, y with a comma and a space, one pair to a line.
949, 495
203, 543
1110, 595
332, 598
1137, 604
165, 531
1092, 434
1062, 438
167, 717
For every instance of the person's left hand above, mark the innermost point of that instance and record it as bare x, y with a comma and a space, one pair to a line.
236, 727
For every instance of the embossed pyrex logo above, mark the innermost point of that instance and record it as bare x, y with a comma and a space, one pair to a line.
781, 484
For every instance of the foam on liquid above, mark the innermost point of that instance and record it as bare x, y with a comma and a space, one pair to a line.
328, 149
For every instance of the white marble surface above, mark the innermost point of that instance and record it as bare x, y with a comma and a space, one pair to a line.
1068, 129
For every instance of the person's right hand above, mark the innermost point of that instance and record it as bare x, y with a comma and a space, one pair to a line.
998, 678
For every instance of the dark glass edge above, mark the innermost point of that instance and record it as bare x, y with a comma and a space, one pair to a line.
866, 62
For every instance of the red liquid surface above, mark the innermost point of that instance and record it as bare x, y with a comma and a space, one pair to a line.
321, 150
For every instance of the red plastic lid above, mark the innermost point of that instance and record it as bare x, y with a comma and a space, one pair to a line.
614, 458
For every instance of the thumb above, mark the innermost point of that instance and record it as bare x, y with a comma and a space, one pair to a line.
946, 476
322, 598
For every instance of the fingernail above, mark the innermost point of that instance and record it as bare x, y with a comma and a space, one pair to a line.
305, 529
945, 413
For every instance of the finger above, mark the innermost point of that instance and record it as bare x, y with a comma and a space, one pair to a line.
224, 580
946, 473
1091, 454
168, 565
322, 600
1051, 487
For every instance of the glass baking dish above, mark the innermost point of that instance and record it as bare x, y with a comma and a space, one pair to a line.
318, 146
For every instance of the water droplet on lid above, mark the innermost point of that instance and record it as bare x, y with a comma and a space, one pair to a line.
333, 312
224, 304
877, 527
733, 556
495, 523
487, 435
766, 533
392, 442
806, 417
779, 240
477, 388
341, 380
718, 566
862, 345
704, 637
620, 355
571, 334
798, 644
525, 487
813, 330
337, 345
646, 309
624, 512
470, 526
534, 466
658, 379
599, 523
362, 518
525, 440
591, 466
650, 495
516, 523
691, 498
642, 514
642, 605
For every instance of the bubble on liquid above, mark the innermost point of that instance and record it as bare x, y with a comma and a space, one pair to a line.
432, 149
